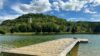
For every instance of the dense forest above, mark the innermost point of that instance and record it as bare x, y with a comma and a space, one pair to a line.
44, 24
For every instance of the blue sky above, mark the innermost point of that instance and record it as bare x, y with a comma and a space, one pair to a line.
71, 10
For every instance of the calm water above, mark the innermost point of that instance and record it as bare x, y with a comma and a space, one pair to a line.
90, 49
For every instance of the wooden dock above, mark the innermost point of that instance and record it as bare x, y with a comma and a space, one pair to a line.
59, 47
83, 40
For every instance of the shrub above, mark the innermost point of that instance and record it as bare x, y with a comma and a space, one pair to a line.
2, 32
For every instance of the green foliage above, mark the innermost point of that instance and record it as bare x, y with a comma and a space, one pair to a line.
74, 29
48, 24
2, 32
40, 23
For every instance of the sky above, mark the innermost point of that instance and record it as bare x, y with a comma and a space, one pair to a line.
71, 10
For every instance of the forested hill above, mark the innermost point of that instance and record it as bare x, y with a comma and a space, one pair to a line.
40, 23
34, 19
35, 23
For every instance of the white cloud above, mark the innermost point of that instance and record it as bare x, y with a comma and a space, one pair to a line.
75, 5
55, 6
6, 17
71, 5
96, 2
95, 18
77, 19
40, 6
36, 6
21, 8
84, 19
89, 11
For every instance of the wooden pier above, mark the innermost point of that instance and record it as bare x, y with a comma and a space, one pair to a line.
60, 47
83, 40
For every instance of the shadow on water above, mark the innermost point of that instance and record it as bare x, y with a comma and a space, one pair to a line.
74, 51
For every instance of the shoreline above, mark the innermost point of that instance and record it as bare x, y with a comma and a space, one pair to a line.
33, 33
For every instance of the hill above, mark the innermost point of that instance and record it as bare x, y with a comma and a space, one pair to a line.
35, 23
40, 23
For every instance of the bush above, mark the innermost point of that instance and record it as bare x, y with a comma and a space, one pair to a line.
2, 32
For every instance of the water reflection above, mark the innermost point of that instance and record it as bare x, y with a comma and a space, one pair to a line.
74, 51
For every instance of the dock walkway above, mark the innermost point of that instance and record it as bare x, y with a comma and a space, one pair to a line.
58, 47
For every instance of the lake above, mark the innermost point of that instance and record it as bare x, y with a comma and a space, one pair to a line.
90, 49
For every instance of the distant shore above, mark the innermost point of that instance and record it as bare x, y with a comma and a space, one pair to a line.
53, 33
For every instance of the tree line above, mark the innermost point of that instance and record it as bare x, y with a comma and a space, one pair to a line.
40, 23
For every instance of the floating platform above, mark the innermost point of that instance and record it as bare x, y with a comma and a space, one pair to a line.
59, 47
